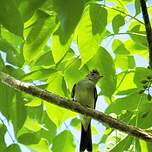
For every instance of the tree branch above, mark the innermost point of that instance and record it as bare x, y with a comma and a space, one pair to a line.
148, 29
73, 106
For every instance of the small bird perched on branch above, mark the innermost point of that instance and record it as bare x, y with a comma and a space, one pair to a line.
86, 94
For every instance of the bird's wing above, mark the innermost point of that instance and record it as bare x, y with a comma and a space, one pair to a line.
73, 91
95, 97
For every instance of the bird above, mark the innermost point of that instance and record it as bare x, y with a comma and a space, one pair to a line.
85, 93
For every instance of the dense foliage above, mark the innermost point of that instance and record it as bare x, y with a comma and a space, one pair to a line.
53, 44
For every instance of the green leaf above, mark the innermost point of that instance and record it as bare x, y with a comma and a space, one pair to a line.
122, 81
13, 148
45, 60
75, 123
56, 84
39, 74
15, 72
91, 30
125, 62
65, 62
118, 47
57, 114
18, 113
122, 145
2, 135
137, 6
59, 48
11, 52
41, 146
32, 124
6, 94
115, 138
144, 115
140, 75
73, 73
103, 62
48, 130
35, 102
143, 146
10, 17
28, 139
34, 115
1, 63
11, 44
138, 35
6, 46
27, 8
124, 104
38, 36
64, 140
69, 13
117, 22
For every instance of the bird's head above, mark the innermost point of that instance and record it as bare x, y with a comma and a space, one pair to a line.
94, 76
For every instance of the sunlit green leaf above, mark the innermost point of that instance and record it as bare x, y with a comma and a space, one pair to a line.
39, 74
58, 115
56, 84
122, 81
73, 74
125, 62
38, 36
90, 31
143, 146
119, 48
41, 146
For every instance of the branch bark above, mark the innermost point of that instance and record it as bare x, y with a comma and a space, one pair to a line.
148, 29
73, 106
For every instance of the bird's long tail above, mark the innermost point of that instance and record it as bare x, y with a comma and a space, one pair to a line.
86, 139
